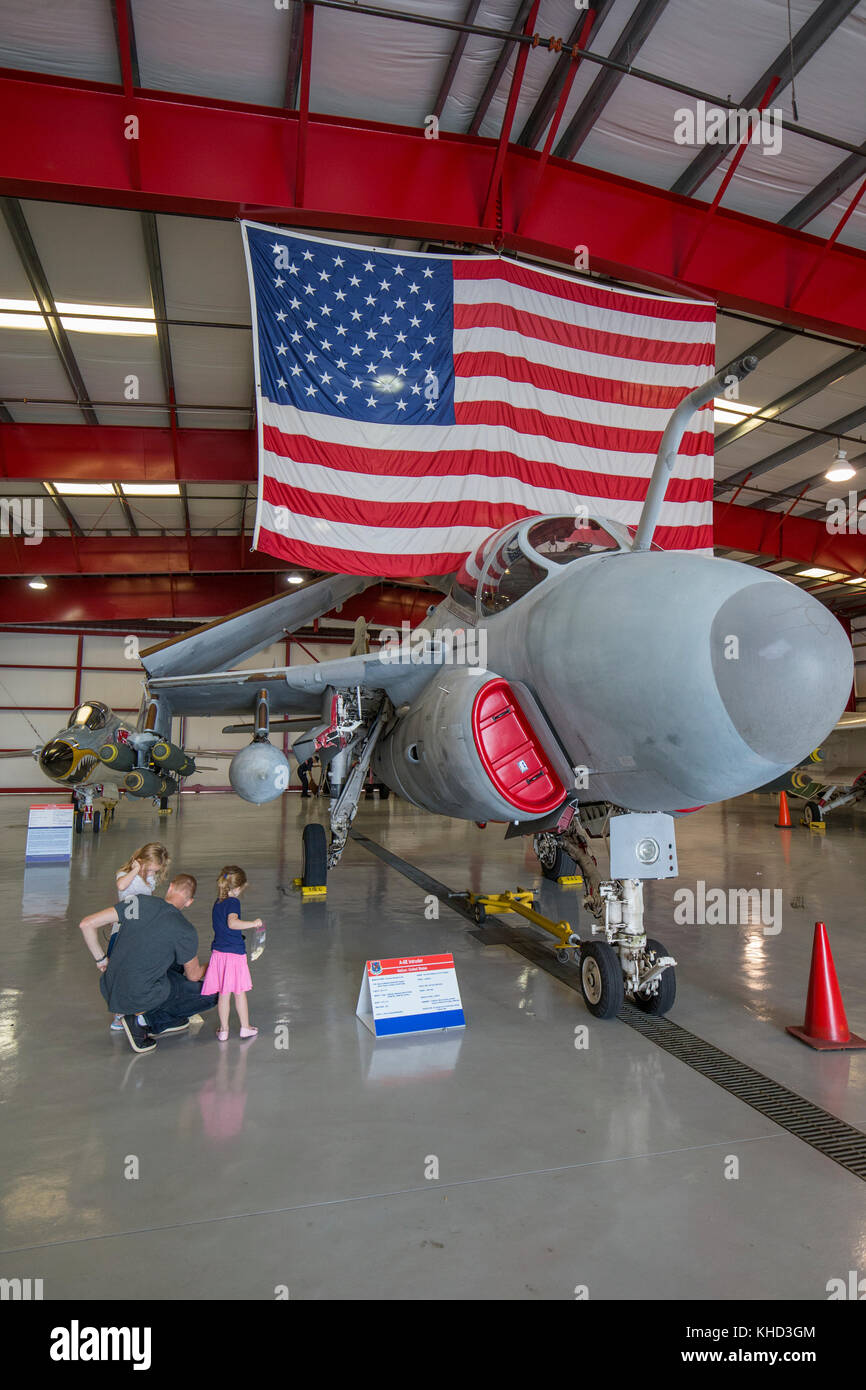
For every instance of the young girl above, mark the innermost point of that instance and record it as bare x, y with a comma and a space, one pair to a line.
227, 973
140, 874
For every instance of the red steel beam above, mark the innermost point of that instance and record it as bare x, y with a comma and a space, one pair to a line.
736, 528
126, 453
126, 599
63, 141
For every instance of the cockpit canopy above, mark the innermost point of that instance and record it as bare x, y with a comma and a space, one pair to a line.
92, 716
511, 562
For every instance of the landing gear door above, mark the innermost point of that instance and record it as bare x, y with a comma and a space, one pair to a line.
643, 845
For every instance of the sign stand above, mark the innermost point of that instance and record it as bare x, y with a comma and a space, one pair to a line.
410, 994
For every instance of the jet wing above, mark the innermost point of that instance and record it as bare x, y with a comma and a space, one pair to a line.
299, 689
225, 642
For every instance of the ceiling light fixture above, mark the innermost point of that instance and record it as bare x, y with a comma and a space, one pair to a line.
37, 582
84, 489
727, 412
840, 469
116, 318
814, 573
151, 489
294, 579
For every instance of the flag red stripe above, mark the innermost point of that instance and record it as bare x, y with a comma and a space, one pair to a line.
489, 463
333, 559
575, 432
572, 335
396, 516
590, 388
583, 292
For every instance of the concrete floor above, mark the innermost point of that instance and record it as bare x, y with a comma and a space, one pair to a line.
261, 1167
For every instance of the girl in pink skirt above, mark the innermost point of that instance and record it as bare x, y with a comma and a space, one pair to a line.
227, 973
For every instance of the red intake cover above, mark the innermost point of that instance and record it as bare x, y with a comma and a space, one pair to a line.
513, 758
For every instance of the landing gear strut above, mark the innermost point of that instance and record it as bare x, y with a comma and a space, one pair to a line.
619, 962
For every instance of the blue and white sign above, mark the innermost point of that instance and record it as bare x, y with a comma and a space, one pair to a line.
410, 994
49, 835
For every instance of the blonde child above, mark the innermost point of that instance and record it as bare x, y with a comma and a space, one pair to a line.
228, 973
141, 873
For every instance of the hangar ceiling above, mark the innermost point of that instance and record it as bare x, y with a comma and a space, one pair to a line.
94, 296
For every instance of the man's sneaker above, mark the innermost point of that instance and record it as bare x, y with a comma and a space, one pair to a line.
180, 1027
116, 1024
138, 1037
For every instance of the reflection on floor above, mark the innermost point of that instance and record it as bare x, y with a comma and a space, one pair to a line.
237, 1170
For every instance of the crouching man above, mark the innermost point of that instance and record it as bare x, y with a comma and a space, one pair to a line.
153, 975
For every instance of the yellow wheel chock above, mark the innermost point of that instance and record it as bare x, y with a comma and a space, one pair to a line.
309, 892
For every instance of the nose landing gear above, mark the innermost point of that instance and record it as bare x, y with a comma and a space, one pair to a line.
620, 962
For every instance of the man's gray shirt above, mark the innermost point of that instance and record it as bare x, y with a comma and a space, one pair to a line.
153, 936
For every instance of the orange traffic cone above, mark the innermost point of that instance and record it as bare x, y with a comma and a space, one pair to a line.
825, 1027
784, 821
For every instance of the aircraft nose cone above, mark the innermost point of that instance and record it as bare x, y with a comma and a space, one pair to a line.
783, 666
56, 759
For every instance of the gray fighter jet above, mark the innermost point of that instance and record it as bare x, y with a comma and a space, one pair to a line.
574, 682
833, 775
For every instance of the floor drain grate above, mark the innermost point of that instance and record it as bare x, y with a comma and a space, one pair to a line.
816, 1127
828, 1134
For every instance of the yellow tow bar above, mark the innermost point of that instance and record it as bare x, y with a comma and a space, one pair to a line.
521, 902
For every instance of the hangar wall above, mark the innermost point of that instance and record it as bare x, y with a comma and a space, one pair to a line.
44, 675
858, 641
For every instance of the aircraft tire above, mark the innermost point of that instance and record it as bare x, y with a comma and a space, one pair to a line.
601, 979
553, 862
662, 1001
79, 822
97, 822
384, 792
314, 873
813, 812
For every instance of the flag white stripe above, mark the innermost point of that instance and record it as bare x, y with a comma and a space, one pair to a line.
563, 406
625, 323
373, 487
566, 359
486, 439
401, 540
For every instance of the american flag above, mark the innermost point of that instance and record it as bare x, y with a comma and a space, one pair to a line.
408, 404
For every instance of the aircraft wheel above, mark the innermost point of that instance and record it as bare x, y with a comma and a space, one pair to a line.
554, 861
662, 1001
384, 792
563, 956
79, 822
813, 812
479, 912
601, 979
97, 821
314, 873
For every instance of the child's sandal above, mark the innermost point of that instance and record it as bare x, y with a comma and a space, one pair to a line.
223, 1035
249, 1032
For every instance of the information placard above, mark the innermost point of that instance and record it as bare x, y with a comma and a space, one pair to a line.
49, 835
410, 994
